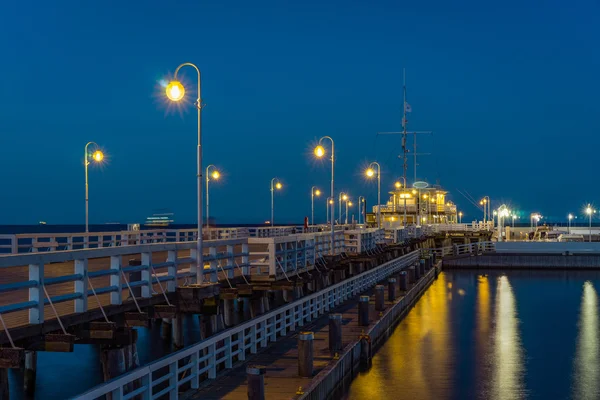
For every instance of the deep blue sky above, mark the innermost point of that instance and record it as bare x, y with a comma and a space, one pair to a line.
511, 90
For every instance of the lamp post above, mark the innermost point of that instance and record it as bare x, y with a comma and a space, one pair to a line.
589, 211
370, 173
486, 203
342, 196
275, 184
215, 175
361, 201
460, 214
320, 152
348, 204
328, 206
513, 220
313, 193
96, 156
175, 92
570, 218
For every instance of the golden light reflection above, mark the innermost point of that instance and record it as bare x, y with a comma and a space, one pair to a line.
587, 362
507, 379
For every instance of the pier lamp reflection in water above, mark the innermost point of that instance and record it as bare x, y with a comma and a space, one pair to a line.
587, 360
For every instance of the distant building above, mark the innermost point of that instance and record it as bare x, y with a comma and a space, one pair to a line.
424, 205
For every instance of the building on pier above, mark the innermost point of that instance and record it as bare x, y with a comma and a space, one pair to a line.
421, 204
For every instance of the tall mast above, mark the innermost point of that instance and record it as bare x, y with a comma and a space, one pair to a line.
404, 149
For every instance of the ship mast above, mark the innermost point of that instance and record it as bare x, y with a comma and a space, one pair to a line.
404, 149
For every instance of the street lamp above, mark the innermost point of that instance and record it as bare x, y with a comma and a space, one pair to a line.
486, 203
348, 204
361, 201
460, 214
175, 91
275, 184
320, 152
513, 220
328, 206
215, 175
589, 211
97, 156
370, 172
342, 196
570, 218
313, 193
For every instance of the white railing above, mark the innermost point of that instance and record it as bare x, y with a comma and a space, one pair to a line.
220, 257
467, 227
460, 249
363, 240
201, 361
547, 247
280, 257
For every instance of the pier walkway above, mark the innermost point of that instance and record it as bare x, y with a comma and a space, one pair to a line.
281, 358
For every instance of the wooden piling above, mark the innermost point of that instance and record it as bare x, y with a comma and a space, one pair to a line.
30, 372
403, 283
335, 333
305, 354
379, 297
392, 289
256, 382
363, 311
166, 328
178, 330
4, 392
417, 270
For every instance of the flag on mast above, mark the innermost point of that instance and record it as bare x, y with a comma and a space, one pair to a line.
407, 108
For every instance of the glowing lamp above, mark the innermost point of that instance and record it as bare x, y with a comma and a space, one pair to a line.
216, 175
317, 192
398, 185
175, 91
319, 151
98, 156
278, 185
344, 197
370, 172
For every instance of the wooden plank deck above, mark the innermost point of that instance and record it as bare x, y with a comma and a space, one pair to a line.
281, 357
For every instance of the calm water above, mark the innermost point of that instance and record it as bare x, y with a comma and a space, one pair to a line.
514, 335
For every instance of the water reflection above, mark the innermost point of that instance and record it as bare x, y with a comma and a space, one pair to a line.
587, 363
419, 346
507, 381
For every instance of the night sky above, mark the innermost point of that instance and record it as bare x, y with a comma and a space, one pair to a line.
510, 90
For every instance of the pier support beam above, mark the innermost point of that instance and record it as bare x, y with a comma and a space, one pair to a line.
392, 289
363, 311
411, 275
4, 392
335, 333
305, 354
422, 266
178, 331
30, 372
166, 328
256, 382
113, 362
229, 312
417, 269
379, 297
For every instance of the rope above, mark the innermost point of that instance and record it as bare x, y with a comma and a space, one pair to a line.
7, 333
54, 309
98, 300
240, 268
280, 266
131, 292
224, 273
160, 285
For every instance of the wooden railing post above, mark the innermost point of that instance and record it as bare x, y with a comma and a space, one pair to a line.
172, 270
81, 286
36, 293
116, 264
146, 275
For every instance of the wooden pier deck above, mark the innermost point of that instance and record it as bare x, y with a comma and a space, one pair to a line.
281, 357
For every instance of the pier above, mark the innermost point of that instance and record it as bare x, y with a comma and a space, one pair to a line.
97, 289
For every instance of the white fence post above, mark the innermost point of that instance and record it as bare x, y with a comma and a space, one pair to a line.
81, 285
146, 275
36, 273
116, 264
